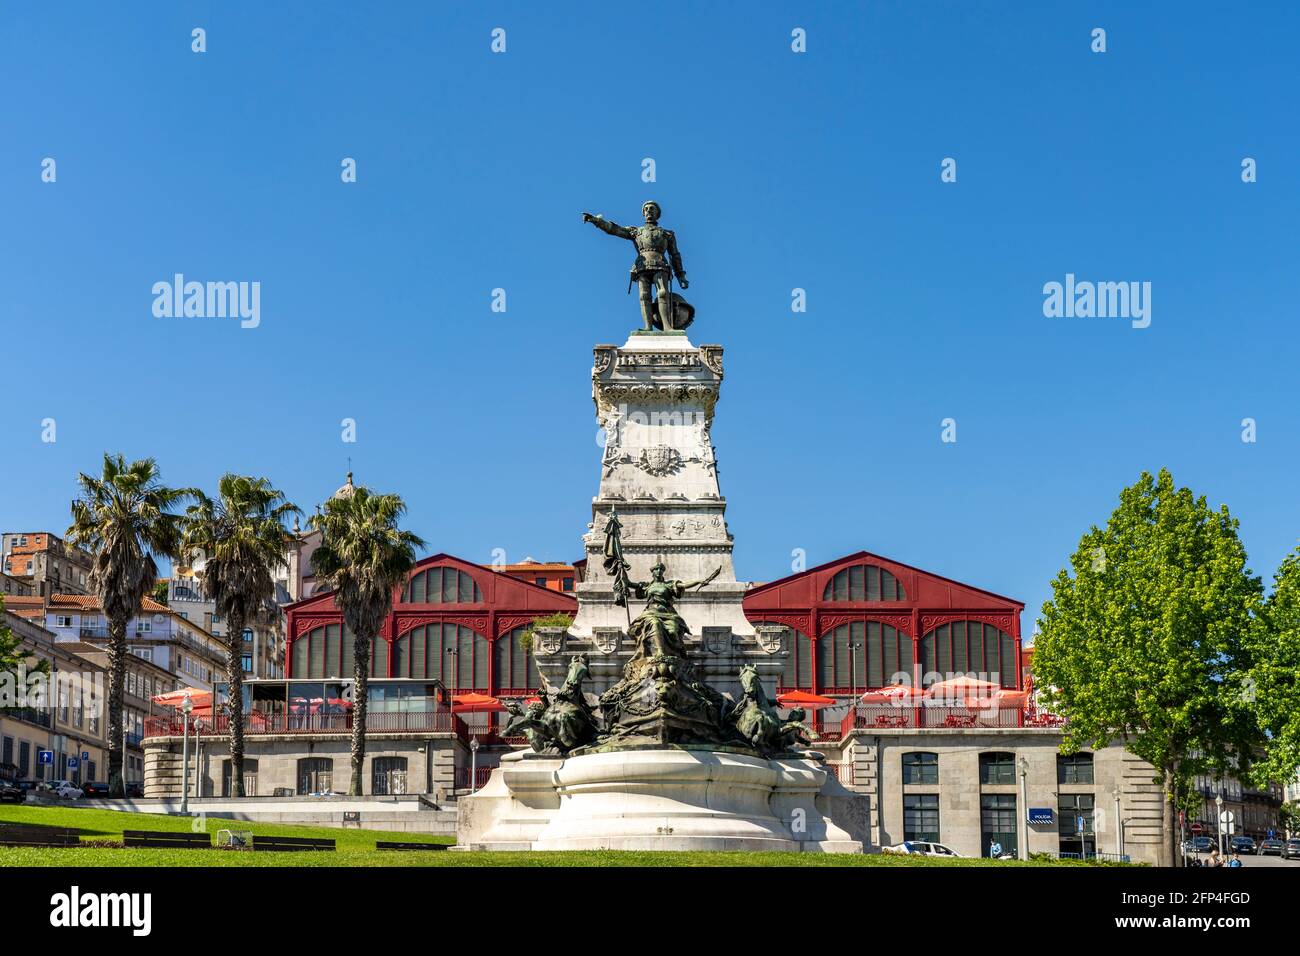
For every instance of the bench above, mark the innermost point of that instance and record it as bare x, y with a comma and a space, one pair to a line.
168, 839
396, 845
28, 834
284, 843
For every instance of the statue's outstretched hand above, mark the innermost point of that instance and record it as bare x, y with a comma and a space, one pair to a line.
683, 283
588, 217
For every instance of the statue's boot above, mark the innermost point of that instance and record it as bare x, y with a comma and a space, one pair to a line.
647, 311
665, 312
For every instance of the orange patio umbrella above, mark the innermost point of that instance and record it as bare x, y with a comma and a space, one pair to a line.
201, 699
892, 694
963, 687
800, 698
476, 704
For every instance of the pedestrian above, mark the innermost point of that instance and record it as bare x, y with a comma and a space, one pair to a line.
995, 850
1214, 858
1235, 861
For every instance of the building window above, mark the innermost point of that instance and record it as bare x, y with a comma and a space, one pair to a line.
861, 654
568, 584
998, 822
388, 776
540, 582
865, 582
921, 817
442, 586
143, 627
451, 653
63, 620
514, 664
250, 777
921, 768
1074, 768
1078, 835
964, 647
246, 662
330, 651
248, 635
315, 775
997, 768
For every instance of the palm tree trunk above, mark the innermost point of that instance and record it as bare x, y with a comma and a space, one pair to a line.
116, 691
361, 690
235, 683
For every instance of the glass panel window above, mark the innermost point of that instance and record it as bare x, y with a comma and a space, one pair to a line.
971, 646
998, 824
864, 582
1077, 828
921, 768
1074, 768
997, 768
921, 817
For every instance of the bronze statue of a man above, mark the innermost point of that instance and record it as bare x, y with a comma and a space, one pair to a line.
657, 261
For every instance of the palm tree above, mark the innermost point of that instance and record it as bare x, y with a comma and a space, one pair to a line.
363, 556
124, 518
242, 540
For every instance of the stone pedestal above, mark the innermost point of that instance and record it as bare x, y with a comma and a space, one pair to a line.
655, 397
657, 799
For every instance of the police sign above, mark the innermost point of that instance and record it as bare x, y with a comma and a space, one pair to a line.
1040, 815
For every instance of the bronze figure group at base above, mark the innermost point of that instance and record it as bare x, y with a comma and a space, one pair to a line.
661, 698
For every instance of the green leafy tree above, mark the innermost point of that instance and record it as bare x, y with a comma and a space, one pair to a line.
1289, 818
1276, 674
242, 539
124, 518
1147, 640
363, 556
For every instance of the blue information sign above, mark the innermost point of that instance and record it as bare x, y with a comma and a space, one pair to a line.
1040, 815
45, 756
73, 763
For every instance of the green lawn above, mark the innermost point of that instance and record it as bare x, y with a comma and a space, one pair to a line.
357, 848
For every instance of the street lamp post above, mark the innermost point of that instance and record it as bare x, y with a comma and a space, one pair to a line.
1218, 807
854, 647
1022, 824
1119, 823
473, 765
187, 707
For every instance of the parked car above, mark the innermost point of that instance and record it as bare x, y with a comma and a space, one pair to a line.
66, 789
1270, 847
1202, 844
95, 788
1292, 849
1242, 844
134, 789
26, 786
922, 848
11, 793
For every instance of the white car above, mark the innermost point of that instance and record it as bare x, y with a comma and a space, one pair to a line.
63, 788
921, 848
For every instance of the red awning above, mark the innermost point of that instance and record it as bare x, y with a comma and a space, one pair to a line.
801, 698
476, 704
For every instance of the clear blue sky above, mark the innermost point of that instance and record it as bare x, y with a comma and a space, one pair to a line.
777, 170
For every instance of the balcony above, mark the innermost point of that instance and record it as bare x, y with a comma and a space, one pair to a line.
258, 724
